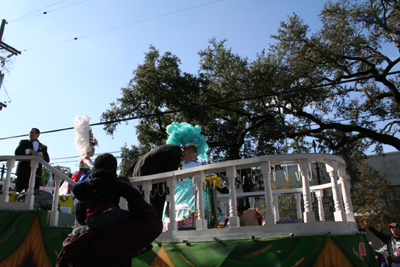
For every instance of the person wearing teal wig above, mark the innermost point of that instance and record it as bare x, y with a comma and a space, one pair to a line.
184, 133
184, 144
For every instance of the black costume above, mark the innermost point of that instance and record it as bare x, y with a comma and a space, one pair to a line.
101, 193
115, 245
24, 167
163, 158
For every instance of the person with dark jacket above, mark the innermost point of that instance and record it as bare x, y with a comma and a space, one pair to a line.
115, 245
392, 242
101, 193
117, 241
30, 147
161, 159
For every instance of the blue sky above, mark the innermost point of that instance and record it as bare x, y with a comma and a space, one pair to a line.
57, 77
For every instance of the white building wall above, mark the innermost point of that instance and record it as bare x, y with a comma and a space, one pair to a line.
388, 166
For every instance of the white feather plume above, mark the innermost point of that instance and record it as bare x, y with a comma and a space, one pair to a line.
82, 134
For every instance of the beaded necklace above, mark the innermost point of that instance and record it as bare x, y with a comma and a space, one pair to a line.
182, 154
395, 245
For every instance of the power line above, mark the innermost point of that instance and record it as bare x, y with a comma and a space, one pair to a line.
73, 157
47, 12
214, 104
35, 11
121, 26
115, 152
4, 88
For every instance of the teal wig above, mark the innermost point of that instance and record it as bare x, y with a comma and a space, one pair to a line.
184, 133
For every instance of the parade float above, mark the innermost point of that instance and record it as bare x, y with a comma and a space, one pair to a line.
31, 237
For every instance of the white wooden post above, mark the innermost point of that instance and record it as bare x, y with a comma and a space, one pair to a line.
266, 173
10, 165
201, 223
331, 168
275, 198
309, 215
233, 218
30, 197
54, 210
319, 194
252, 202
173, 225
297, 197
345, 183
147, 186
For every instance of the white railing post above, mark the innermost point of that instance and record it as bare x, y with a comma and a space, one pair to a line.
233, 218
331, 168
266, 173
173, 225
319, 194
10, 165
146, 187
297, 197
276, 206
54, 210
30, 197
309, 215
201, 223
29, 202
345, 183
252, 202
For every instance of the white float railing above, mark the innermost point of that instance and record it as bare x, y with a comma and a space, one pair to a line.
318, 191
335, 167
30, 197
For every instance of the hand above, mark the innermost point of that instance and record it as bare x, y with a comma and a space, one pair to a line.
33, 152
396, 253
84, 158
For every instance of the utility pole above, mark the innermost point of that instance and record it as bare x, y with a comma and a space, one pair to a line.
5, 46
8, 48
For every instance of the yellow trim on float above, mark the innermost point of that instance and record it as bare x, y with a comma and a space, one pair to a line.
33, 244
331, 255
162, 259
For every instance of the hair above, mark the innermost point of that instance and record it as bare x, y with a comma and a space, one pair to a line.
184, 134
106, 161
192, 148
36, 130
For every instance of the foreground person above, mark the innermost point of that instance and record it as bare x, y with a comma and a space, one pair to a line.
101, 193
392, 242
118, 239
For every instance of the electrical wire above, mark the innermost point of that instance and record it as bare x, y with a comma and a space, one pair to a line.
35, 11
125, 25
212, 104
47, 12
74, 157
4, 88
